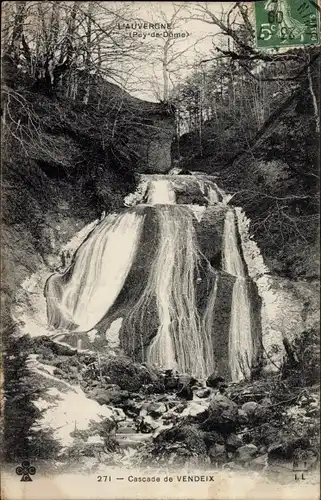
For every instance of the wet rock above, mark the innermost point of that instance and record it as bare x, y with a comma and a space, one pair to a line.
156, 388
118, 414
249, 407
55, 347
246, 452
128, 375
186, 379
222, 414
58, 372
156, 409
266, 402
212, 438
171, 380
171, 418
203, 393
193, 409
243, 418
118, 397
109, 396
100, 395
180, 407
214, 381
94, 383
230, 465
246, 438
233, 442
217, 453
112, 387
146, 424
179, 442
185, 393
128, 429
261, 414
287, 449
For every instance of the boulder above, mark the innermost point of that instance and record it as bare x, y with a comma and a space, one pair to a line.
222, 414
179, 443
246, 452
287, 449
212, 438
193, 410
129, 376
217, 454
249, 407
109, 396
233, 442
118, 396
155, 409
156, 388
100, 395
132, 408
214, 381
112, 387
185, 393
171, 381
147, 424
203, 393
243, 418
180, 407
266, 402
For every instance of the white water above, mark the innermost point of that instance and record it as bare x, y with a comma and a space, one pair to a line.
240, 335
80, 298
112, 333
160, 191
180, 342
101, 267
212, 195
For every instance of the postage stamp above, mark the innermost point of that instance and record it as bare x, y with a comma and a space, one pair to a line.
287, 23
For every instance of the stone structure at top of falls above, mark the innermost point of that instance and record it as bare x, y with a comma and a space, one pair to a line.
148, 128
166, 280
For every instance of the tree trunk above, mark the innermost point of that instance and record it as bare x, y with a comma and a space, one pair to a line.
88, 54
17, 31
165, 73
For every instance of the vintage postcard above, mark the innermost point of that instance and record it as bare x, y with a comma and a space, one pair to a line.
160, 250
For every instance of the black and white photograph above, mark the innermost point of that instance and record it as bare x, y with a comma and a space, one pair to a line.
160, 332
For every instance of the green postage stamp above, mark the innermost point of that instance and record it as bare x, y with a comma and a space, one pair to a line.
287, 23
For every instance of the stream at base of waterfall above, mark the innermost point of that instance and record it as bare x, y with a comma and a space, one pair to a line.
165, 280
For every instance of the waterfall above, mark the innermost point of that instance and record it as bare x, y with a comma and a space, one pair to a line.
212, 195
240, 335
180, 342
83, 294
150, 281
160, 191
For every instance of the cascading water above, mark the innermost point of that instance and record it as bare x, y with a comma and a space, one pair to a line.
155, 273
240, 334
83, 294
179, 341
161, 191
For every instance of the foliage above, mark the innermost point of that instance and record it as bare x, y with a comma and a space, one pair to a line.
252, 117
21, 388
301, 366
